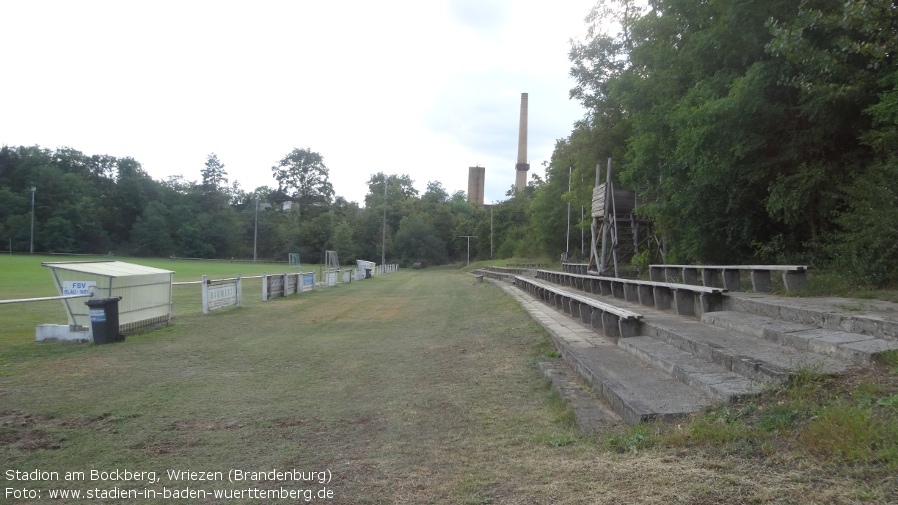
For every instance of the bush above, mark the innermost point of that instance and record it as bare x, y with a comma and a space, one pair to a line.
866, 246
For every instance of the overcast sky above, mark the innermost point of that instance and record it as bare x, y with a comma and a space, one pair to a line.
426, 88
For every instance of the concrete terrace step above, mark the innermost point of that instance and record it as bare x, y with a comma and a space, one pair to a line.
710, 378
875, 318
747, 355
858, 348
633, 388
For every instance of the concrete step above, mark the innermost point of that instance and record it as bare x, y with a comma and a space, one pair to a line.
591, 413
710, 378
874, 318
743, 353
858, 348
753, 357
635, 390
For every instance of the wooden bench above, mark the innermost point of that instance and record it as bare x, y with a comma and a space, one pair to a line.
794, 276
614, 321
685, 299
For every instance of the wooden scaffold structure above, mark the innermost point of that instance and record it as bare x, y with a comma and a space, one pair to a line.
618, 234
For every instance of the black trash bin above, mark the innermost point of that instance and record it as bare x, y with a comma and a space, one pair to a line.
104, 319
367, 273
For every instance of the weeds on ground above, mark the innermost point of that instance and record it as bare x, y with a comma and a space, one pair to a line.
634, 439
838, 422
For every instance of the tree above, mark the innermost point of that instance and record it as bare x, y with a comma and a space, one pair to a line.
149, 234
304, 177
214, 174
417, 240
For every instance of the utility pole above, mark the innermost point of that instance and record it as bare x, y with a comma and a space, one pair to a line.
491, 233
469, 237
33, 189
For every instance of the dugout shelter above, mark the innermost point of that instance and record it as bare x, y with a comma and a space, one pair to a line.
146, 292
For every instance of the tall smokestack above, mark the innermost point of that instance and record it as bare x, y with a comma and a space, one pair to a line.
476, 176
521, 168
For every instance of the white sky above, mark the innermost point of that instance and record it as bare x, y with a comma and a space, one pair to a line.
426, 88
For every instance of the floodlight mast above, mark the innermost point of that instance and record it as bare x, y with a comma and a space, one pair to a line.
383, 237
567, 252
256, 229
33, 189
469, 237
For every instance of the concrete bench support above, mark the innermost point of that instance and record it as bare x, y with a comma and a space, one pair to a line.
646, 295
732, 280
795, 281
690, 276
711, 302
628, 327
631, 292
663, 297
760, 281
610, 324
710, 278
671, 274
586, 314
617, 290
685, 302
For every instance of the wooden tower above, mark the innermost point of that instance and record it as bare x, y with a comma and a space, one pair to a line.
618, 234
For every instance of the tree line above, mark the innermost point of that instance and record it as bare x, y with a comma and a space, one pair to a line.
761, 131
99, 204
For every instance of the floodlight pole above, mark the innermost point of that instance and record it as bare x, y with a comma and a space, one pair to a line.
33, 189
383, 237
567, 251
256, 229
491, 233
469, 237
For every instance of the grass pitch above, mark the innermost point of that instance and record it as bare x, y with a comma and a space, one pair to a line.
409, 388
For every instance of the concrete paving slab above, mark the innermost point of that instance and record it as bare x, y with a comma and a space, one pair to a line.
705, 376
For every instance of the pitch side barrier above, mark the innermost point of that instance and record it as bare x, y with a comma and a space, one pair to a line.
614, 321
685, 299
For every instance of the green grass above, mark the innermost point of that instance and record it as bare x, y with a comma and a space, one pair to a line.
415, 387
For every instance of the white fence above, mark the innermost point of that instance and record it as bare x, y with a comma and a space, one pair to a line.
221, 293
274, 286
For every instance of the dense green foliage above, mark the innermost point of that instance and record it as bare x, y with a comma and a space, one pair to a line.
93, 204
762, 131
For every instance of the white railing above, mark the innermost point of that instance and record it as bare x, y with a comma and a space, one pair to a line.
43, 299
